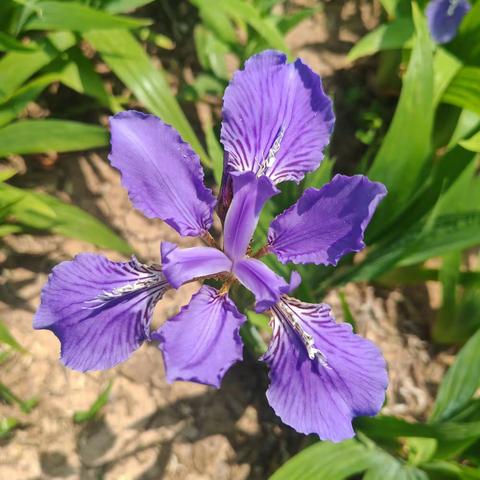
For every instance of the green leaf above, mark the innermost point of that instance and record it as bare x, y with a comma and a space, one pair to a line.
7, 338
258, 320
9, 44
252, 339
94, 410
347, 313
124, 6
289, 22
387, 428
447, 470
77, 72
449, 276
387, 36
466, 44
389, 468
127, 59
7, 425
215, 152
6, 174
16, 67
413, 120
325, 460
73, 16
445, 67
217, 21
472, 144
44, 212
320, 176
250, 15
464, 90
15, 105
38, 136
460, 382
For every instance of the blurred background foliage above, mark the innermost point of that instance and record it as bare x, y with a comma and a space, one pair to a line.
84, 60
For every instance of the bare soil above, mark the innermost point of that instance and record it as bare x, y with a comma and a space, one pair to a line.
150, 429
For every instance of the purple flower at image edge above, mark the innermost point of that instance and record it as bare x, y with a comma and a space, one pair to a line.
444, 18
277, 121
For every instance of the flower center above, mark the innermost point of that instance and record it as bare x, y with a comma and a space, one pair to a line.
284, 311
271, 157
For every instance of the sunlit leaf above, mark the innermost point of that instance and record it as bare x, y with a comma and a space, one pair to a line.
40, 211
130, 63
460, 382
387, 36
38, 136
73, 16
407, 144
472, 144
7, 338
464, 90
335, 461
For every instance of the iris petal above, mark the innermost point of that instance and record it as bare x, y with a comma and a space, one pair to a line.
202, 342
250, 195
326, 224
161, 172
276, 118
320, 389
183, 264
265, 284
100, 310
444, 18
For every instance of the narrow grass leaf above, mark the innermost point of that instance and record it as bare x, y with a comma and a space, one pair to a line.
38, 136
460, 382
406, 148
127, 59
76, 17
95, 408
387, 36
335, 461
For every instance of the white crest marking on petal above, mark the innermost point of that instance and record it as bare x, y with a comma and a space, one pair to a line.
153, 278
271, 157
452, 7
282, 310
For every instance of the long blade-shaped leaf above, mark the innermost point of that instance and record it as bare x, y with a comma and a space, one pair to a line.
73, 16
38, 136
40, 211
405, 150
335, 461
128, 60
460, 382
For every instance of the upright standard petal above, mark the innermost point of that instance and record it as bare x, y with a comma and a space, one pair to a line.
265, 284
99, 310
444, 18
321, 374
249, 196
276, 118
183, 264
326, 224
161, 172
203, 341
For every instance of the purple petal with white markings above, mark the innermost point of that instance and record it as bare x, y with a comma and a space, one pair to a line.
249, 196
444, 18
321, 374
265, 284
326, 224
276, 118
203, 341
183, 264
99, 310
161, 172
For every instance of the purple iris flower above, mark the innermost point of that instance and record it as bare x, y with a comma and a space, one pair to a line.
444, 18
276, 122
